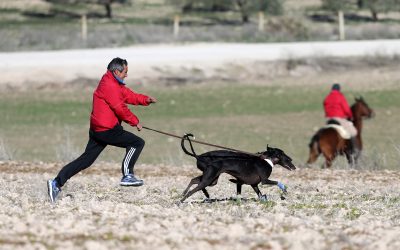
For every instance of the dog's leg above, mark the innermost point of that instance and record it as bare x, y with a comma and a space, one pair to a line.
239, 188
269, 182
261, 197
206, 193
195, 180
278, 183
208, 177
257, 190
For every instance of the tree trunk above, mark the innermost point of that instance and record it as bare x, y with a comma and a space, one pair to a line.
187, 7
374, 15
245, 15
360, 4
245, 18
107, 5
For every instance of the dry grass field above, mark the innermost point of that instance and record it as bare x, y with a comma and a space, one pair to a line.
324, 209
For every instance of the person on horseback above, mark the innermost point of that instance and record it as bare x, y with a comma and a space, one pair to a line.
337, 109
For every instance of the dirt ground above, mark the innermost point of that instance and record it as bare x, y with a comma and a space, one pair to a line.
324, 209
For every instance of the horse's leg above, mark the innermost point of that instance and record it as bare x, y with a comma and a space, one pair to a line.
313, 156
351, 156
329, 155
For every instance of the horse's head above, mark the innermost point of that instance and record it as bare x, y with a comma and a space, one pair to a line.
361, 108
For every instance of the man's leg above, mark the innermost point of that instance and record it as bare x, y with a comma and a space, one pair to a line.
92, 151
122, 138
131, 156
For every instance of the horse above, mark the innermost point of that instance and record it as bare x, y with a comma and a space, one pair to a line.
330, 143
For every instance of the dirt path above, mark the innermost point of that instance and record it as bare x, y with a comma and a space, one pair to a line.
152, 60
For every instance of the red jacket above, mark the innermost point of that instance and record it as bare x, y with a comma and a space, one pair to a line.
109, 104
335, 105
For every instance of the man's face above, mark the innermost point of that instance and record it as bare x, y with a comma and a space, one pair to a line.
122, 74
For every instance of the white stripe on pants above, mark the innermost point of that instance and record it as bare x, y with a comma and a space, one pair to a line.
128, 159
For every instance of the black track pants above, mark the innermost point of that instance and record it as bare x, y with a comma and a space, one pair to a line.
116, 136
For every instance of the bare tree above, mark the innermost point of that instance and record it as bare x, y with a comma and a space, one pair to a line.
106, 3
270, 7
379, 6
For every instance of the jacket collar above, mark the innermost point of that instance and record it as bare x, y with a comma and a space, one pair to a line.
119, 80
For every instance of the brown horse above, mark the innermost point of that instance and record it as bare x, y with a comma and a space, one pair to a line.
328, 141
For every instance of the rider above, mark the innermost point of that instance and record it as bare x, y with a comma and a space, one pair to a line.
337, 108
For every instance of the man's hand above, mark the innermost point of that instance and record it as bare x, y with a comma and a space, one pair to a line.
151, 99
139, 126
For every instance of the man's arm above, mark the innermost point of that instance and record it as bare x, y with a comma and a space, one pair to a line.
115, 99
136, 98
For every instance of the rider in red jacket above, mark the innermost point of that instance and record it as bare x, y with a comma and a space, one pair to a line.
335, 104
337, 108
109, 109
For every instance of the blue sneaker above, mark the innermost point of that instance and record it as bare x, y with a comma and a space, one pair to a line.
130, 180
53, 190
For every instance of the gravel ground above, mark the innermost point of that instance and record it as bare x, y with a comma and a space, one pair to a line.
325, 209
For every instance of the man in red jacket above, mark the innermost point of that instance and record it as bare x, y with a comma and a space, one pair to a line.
109, 109
337, 108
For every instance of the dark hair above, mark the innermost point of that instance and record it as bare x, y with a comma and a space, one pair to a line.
336, 86
117, 64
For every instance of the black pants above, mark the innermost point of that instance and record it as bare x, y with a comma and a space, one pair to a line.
116, 136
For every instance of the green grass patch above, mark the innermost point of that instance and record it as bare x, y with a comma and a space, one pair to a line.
248, 117
353, 214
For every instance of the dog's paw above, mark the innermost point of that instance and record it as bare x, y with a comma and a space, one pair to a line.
178, 203
282, 187
263, 198
207, 200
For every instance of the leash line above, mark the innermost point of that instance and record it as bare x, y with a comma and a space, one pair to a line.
201, 142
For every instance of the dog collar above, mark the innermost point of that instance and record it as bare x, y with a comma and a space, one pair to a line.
269, 162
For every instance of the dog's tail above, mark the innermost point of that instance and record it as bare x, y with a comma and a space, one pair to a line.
184, 138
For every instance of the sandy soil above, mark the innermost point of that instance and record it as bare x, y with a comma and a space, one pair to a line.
325, 209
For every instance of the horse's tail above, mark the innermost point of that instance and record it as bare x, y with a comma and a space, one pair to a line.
184, 138
314, 143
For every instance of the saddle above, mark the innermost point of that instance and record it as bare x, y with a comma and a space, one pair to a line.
342, 132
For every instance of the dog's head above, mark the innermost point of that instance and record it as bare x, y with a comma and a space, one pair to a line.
279, 157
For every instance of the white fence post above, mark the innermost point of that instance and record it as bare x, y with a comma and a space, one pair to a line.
176, 25
84, 27
261, 21
341, 26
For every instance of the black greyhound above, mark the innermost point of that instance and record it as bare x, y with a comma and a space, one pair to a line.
247, 169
